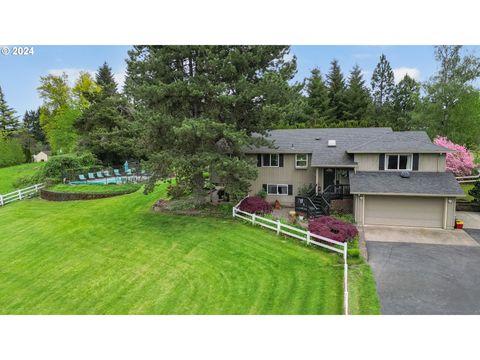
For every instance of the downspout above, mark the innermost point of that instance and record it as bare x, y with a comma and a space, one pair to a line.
445, 212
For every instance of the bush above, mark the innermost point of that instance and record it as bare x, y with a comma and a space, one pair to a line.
332, 228
255, 205
11, 152
262, 194
475, 192
177, 191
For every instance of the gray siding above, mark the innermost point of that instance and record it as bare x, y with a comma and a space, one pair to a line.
287, 174
426, 162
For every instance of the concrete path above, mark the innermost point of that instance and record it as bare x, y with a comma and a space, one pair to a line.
470, 218
415, 235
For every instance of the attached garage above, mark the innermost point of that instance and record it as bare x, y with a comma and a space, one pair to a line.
404, 211
420, 200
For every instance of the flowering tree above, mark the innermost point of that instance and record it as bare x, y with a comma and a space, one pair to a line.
332, 228
461, 161
255, 204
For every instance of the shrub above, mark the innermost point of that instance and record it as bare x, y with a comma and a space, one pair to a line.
11, 152
262, 194
461, 161
475, 192
177, 191
332, 228
255, 205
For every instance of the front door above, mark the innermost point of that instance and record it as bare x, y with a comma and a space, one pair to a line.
328, 178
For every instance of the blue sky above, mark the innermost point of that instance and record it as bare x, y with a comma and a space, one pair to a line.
19, 75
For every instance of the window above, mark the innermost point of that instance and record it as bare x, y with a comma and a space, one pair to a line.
301, 161
277, 189
270, 160
398, 162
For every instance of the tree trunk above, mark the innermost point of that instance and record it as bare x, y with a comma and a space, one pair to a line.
198, 184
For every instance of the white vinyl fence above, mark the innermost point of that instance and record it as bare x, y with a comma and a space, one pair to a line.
467, 179
303, 235
20, 194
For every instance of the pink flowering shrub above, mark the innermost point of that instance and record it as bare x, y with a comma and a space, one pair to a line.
255, 205
461, 161
332, 228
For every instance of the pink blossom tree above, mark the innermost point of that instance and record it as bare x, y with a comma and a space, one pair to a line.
459, 162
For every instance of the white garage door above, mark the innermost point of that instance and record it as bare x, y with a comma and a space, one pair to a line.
404, 210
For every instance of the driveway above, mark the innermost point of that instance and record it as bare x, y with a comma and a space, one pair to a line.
425, 271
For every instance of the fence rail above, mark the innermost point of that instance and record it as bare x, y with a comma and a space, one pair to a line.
303, 235
20, 194
468, 179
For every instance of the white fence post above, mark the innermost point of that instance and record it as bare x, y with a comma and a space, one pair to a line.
1, 200
19, 194
233, 211
253, 219
279, 225
345, 251
308, 237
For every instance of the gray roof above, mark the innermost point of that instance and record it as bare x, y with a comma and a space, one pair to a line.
419, 183
348, 140
400, 141
314, 141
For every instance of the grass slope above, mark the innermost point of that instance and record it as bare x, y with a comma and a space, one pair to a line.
466, 188
115, 256
9, 174
95, 188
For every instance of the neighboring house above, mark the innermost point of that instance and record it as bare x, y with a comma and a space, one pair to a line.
364, 165
41, 156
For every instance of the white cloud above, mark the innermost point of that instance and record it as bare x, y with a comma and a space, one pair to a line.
120, 79
362, 56
399, 73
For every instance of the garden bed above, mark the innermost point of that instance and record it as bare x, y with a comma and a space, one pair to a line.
64, 192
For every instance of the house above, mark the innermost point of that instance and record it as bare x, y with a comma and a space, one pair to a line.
384, 177
41, 156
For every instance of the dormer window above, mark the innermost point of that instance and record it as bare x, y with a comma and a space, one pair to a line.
398, 161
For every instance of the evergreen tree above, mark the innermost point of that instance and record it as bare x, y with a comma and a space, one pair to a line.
383, 84
406, 97
104, 77
336, 91
199, 105
8, 121
357, 97
31, 123
105, 127
318, 102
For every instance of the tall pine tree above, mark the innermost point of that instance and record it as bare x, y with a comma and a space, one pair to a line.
8, 121
31, 123
357, 97
104, 77
336, 91
318, 102
383, 84
406, 98
198, 106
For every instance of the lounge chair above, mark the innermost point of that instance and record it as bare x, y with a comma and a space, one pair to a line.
82, 177
106, 173
100, 175
116, 172
91, 176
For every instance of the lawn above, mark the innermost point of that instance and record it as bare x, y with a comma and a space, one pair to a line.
8, 175
466, 188
95, 188
116, 256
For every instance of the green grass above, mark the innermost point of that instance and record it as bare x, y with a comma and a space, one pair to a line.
8, 175
466, 188
116, 256
95, 188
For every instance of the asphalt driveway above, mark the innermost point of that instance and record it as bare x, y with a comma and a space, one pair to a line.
426, 272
